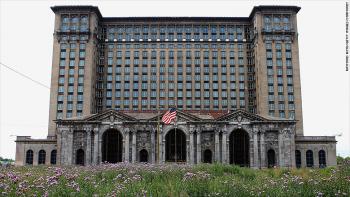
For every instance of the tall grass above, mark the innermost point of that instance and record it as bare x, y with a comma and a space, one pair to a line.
172, 180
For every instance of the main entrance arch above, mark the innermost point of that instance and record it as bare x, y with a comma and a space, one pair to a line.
175, 146
239, 148
112, 146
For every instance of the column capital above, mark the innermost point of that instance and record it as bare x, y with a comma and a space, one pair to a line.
287, 131
152, 129
192, 130
133, 131
255, 129
126, 130
281, 131
96, 129
198, 130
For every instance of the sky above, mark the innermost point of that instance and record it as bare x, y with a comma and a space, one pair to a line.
26, 38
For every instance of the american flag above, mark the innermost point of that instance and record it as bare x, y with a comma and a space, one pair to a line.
169, 116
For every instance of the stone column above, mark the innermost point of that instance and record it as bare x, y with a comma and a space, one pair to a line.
280, 148
134, 146
199, 147
217, 145
153, 145
88, 146
303, 157
95, 158
316, 161
191, 160
292, 148
70, 147
224, 146
162, 147
262, 150
187, 149
127, 148
60, 157
255, 148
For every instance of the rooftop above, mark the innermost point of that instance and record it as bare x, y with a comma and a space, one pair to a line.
95, 9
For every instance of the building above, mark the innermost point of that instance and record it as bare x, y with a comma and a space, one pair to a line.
235, 82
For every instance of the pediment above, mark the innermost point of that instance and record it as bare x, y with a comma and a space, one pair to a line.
110, 116
180, 115
240, 116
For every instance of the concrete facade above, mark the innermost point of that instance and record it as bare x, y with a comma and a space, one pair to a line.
225, 75
203, 132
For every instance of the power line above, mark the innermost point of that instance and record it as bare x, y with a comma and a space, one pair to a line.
25, 76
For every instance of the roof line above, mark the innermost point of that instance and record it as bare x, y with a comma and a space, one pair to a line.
255, 9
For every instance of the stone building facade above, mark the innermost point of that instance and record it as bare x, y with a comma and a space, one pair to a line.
235, 82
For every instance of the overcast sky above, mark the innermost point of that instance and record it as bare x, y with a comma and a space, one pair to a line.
26, 37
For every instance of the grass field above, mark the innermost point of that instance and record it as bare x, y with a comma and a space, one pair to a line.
124, 179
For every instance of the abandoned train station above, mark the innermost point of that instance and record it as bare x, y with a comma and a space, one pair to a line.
235, 83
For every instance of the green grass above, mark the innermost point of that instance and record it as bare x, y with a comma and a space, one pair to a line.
173, 180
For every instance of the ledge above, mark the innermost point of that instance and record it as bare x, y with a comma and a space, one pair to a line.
315, 139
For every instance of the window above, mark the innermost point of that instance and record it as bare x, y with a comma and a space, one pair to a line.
62, 63
298, 158
322, 158
309, 158
29, 157
71, 63
82, 54
53, 157
41, 157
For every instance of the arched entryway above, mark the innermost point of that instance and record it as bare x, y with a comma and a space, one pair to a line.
239, 147
143, 155
271, 158
80, 157
112, 146
175, 146
207, 156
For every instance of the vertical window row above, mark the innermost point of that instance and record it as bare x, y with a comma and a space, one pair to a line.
81, 69
280, 84
270, 78
290, 84
61, 80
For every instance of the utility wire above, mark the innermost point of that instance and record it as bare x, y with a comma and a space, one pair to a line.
25, 76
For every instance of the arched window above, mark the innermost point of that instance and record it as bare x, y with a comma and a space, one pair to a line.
29, 157
298, 158
322, 158
42, 157
309, 158
53, 157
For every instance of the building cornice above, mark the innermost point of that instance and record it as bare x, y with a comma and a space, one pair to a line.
95, 9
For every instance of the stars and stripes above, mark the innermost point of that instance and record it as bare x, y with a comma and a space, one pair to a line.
169, 116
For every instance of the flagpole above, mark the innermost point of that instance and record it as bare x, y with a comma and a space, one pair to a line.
158, 153
175, 140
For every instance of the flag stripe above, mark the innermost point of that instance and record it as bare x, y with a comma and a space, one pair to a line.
169, 116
